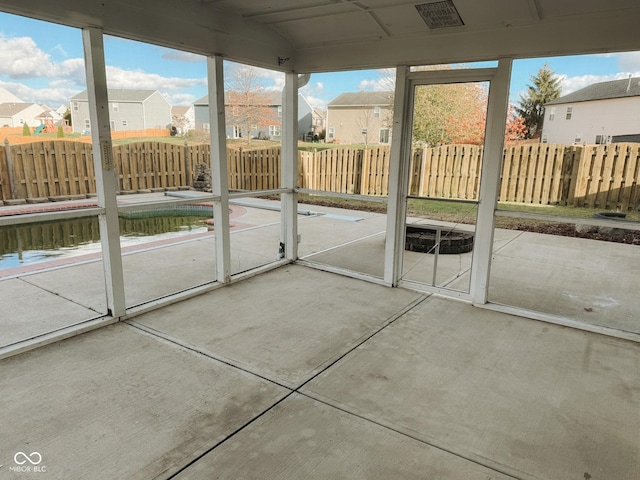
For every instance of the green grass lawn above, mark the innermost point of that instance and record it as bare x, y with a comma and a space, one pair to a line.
458, 212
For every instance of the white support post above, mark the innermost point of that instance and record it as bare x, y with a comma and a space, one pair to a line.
490, 182
289, 217
219, 175
398, 181
106, 180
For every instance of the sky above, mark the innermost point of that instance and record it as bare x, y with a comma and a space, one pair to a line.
43, 62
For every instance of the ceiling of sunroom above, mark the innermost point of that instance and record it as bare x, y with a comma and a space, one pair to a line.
316, 35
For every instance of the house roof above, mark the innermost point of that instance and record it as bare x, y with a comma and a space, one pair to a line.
360, 99
7, 97
274, 99
180, 109
628, 87
11, 109
120, 95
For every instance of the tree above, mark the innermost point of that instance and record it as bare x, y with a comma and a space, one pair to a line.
181, 123
67, 117
444, 113
26, 131
450, 113
60, 133
516, 129
248, 102
545, 88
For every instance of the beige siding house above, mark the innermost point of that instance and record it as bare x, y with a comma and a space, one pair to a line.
17, 114
360, 117
604, 112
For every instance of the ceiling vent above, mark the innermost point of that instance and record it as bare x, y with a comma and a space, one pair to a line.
440, 14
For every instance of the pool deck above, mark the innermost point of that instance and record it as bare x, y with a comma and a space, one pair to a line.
301, 373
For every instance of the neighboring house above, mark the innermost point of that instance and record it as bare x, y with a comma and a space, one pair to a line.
271, 124
319, 121
604, 112
17, 114
360, 117
183, 118
128, 110
62, 109
7, 97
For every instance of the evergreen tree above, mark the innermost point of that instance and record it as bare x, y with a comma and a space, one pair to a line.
26, 131
545, 88
60, 132
67, 116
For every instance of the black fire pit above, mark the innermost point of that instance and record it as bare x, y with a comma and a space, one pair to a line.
422, 239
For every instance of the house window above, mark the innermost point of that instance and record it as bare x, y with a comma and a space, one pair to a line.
87, 125
124, 123
331, 133
578, 138
384, 135
274, 130
116, 107
545, 138
363, 131
254, 128
376, 112
552, 113
279, 111
569, 113
22, 121
319, 122
602, 139
75, 106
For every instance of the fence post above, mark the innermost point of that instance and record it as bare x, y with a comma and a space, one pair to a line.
187, 164
12, 178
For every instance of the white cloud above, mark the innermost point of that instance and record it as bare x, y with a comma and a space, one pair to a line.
384, 83
629, 61
130, 79
54, 94
312, 92
20, 57
316, 102
571, 84
180, 98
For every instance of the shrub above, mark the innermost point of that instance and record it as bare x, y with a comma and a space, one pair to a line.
26, 131
60, 132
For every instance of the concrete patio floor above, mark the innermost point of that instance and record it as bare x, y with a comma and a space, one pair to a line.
298, 373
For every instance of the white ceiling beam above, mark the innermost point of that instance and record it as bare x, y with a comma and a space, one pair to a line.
585, 34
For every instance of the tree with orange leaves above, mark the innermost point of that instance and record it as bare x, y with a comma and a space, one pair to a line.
248, 103
516, 127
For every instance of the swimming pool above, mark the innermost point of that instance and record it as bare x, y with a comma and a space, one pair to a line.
32, 243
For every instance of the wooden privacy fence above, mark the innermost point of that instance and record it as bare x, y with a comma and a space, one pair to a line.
602, 176
345, 170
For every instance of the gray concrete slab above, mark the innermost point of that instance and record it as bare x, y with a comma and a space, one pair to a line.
302, 438
28, 311
119, 404
586, 280
320, 233
254, 247
541, 400
286, 324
